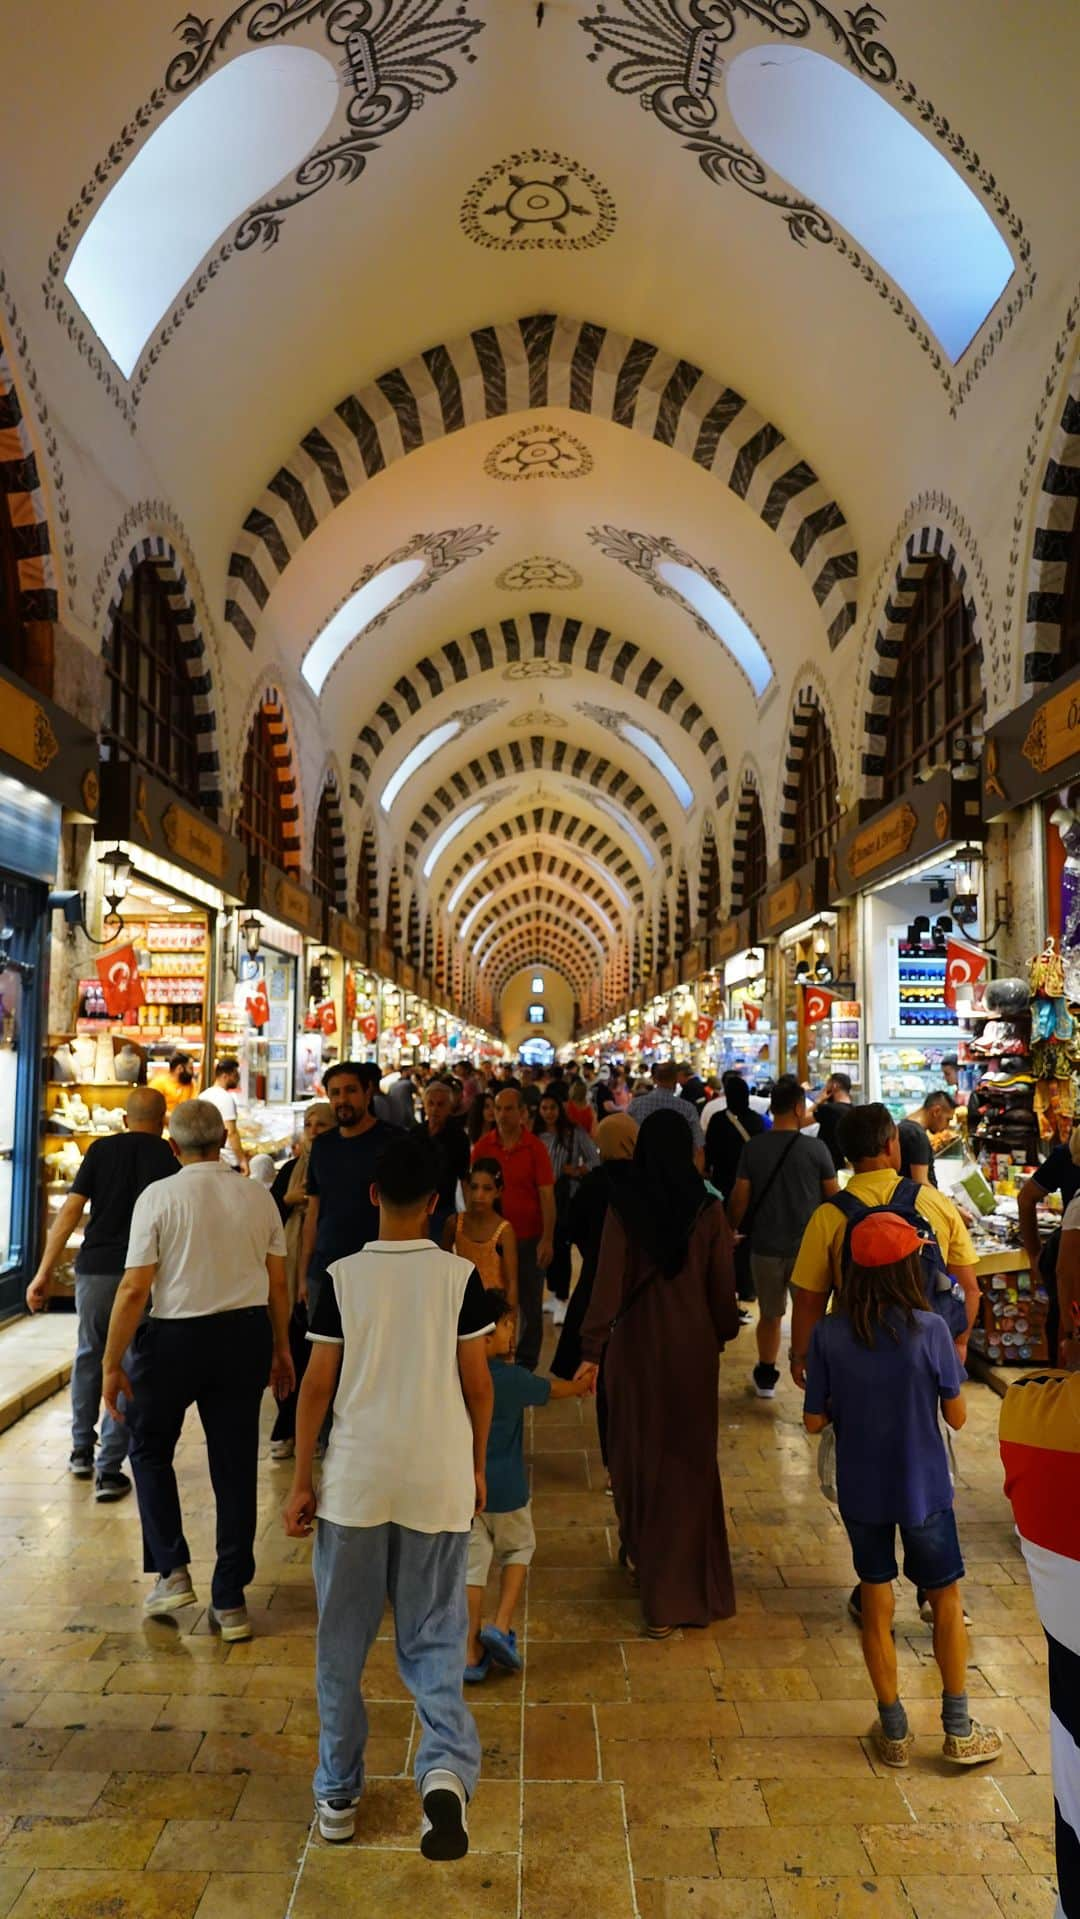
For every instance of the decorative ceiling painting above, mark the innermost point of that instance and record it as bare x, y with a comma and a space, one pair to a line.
538, 201
539, 573
671, 56
392, 56
540, 452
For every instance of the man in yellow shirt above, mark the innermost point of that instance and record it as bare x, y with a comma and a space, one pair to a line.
871, 1142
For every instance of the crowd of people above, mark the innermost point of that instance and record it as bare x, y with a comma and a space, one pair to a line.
390, 1287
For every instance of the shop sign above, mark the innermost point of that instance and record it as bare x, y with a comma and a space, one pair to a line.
47, 748
887, 838
731, 938
346, 938
145, 812
289, 902
691, 965
1034, 749
407, 976
194, 841
385, 961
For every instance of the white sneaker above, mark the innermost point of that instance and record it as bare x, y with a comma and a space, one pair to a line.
337, 1819
558, 1312
550, 1303
444, 1830
171, 1592
282, 1448
231, 1622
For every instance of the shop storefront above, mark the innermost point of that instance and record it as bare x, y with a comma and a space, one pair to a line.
273, 1025
917, 886
818, 1015
48, 776
744, 1039
358, 1006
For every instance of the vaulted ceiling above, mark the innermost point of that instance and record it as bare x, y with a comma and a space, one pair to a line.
532, 315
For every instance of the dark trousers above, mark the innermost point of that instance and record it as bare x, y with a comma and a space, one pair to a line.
558, 1273
285, 1423
220, 1363
530, 1306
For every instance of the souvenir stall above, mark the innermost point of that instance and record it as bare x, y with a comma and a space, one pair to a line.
393, 1048
744, 1039
914, 869
48, 779
818, 1017
265, 1003
359, 1005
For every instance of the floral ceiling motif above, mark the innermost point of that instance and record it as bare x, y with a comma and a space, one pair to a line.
538, 201
538, 573
540, 452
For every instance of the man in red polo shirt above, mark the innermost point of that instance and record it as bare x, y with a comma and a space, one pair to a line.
528, 1202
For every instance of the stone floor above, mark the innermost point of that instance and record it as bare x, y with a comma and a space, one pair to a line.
147, 1774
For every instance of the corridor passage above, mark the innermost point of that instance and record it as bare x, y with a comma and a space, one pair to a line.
148, 1774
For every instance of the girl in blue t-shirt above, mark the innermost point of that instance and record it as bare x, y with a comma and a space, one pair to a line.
880, 1369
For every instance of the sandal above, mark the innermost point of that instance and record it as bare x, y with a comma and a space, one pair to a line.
659, 1632
628, 1565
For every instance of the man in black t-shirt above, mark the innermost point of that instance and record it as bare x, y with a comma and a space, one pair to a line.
1059, 1173
340, 1216
114, 1172
450, 1143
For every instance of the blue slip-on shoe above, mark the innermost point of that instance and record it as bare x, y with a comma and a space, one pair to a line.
474, 1674
502, 1646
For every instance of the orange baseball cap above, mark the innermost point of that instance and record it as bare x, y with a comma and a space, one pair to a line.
883, 1239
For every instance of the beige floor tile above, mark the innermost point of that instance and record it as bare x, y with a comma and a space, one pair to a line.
22, 1748
1022, 1896
575, 1673
816, 1897
1035, 1844
246, 1895
560, 1743
961, 1898
641, 1762
1031, 1799
229, 1845
357, 1883
786, 1758
704, 1898
252, 1752
944, 1849
682, 1685
176, 1795
141, 1751
661, 1721
812, 1802
171, 1677
93, 1895
770, 1682
80, 1711
672, 1852
125, 1844
794, 1850
210, 1713
719, 1803
955, 1796
12, 1881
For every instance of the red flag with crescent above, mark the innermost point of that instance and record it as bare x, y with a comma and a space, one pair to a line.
369, 1026
817, 1001
964, 966
704, 1028
121, 987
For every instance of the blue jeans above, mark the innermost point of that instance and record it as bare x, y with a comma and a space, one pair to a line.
94, 1295
423, 1574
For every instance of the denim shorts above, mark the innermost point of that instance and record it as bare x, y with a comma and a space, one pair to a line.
931, 1551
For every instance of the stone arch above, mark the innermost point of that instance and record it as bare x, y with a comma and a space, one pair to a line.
367, 878
520, 365
749, 792
1056, 508
159, 551
925, 543
27, 506
525, 869
268, 695
510, 896
393, 922
330, 791
524, 648
810, 698
534, 753
710, 880
564, 827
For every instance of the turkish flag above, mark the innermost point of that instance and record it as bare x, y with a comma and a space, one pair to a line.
369, 1026
751, 1014
327, 1017
964, 965
704, 1028
121, 986
817, 1001
258, 1004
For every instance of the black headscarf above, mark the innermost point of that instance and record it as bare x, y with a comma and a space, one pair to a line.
659, 1206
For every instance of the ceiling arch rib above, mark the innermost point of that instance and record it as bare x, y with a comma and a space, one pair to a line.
547, 893
554, 830
537, 754
519, 957
549, 913
518, 366
536, 869
536, 645
541, 942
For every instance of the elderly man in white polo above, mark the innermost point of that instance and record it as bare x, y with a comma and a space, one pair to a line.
209, 1256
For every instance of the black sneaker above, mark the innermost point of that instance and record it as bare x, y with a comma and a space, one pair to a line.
112, 1486
444, 1831
745, 1318
81, 1465
854, 1606
766, 1380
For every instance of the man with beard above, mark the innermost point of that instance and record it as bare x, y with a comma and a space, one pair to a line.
341, 1216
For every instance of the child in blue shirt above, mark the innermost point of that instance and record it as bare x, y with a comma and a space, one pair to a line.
504, 1530
880, 1368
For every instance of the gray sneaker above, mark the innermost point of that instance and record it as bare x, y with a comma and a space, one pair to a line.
231, 1622
171, 1592
337, 1819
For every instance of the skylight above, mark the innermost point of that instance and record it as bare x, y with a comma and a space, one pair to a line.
717, 611
455, 827
840, 142
473, 873
232, 139
429, 745
624, 826
664, 764
350, 620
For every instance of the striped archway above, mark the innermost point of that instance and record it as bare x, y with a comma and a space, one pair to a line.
330, 818
1056, 511
270, 702
809, 701
156, 551
515, 646
24, 498
553, 826
749, 802
533, 869
521, 365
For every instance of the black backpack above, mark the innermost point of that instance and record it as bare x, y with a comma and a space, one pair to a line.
943, 1296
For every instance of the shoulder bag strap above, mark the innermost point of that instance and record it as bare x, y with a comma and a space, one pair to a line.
757, 1204
739, 1128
